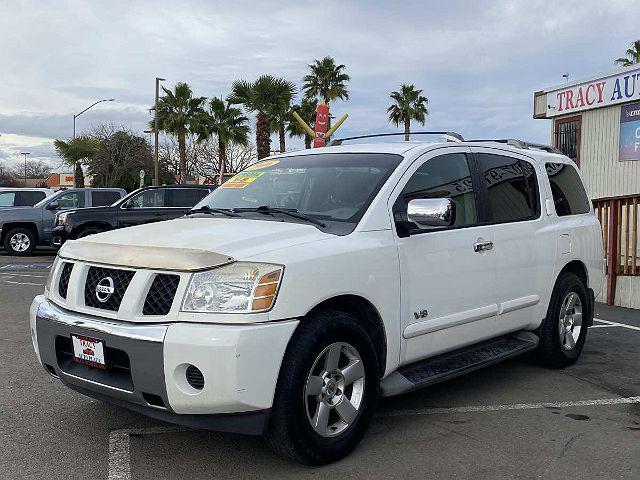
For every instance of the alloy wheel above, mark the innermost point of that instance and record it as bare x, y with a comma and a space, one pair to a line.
20, 242
334, 389
570, 321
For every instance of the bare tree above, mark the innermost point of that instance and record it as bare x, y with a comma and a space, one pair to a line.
35, 169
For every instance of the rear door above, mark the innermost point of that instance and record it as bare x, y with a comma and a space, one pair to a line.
145, 207
446, 285
524, 248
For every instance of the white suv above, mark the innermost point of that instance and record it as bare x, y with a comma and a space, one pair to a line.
315, 281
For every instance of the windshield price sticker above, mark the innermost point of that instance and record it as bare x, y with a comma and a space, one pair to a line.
258, 166
242, 179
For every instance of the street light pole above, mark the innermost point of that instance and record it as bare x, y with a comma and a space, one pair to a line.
25, 166
156, 170
90, 106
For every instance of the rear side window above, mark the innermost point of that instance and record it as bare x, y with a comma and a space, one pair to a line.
568, 192
185, 197
102, 198
445, 176
7, 199
28, 198
511, 188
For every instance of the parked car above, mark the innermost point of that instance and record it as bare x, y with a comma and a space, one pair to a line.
22, 229
315, 281
146, 205
22, 197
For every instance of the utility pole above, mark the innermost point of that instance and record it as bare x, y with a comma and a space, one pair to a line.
25, 166
156, 170
90, 106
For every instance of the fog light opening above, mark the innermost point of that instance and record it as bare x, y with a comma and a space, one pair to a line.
194, 377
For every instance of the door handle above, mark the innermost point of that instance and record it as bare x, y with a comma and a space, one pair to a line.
482, 246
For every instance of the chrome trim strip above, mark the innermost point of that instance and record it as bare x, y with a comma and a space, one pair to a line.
145, 332
518, 303
448, 321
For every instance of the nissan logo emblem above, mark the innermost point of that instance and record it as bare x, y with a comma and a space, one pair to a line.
104, 289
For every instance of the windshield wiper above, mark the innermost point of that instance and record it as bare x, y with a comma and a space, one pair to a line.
209, 210
292, 212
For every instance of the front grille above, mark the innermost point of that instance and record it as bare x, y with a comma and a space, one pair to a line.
121, 280
160, 296
65, 275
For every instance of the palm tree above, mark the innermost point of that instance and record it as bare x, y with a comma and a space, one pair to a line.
327, 81
229, 125
307, 111
179, 114
633, 55
409, 105
267, 96
76, 150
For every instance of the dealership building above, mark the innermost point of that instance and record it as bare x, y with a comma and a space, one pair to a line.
596, 122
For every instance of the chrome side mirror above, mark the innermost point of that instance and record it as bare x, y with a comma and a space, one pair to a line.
432, 212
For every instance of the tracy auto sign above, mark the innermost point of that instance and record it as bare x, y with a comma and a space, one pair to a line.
598, 92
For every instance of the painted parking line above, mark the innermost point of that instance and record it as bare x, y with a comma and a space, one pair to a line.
119, 464
617, 324
26, 266
24, 283
120, 446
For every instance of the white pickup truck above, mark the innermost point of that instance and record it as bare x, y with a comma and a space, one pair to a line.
310, 284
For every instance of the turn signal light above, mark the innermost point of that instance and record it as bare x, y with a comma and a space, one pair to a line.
266, 291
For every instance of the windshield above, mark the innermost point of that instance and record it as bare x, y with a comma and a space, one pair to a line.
336, 188
50, 198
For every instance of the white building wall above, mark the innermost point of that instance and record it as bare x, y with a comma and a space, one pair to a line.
605, 176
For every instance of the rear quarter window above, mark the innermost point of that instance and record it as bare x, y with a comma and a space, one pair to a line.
569, 195
186, 197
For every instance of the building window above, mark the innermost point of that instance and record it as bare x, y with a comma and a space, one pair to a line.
566, 137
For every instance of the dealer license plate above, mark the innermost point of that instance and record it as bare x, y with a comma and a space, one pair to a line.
88, 351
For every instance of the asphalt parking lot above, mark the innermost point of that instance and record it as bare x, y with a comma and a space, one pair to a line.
513, 420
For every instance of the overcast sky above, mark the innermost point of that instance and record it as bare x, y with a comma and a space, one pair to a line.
477, 62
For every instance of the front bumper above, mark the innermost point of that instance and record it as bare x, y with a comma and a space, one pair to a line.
146, 365
59, 235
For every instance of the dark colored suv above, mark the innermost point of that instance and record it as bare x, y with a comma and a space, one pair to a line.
146, 205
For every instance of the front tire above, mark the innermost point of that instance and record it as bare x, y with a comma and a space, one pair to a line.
19, 241
564, 330
327, 390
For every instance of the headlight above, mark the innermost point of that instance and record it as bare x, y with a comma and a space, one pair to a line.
239, 287
61, 218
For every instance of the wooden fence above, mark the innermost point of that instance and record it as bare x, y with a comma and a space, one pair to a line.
619, 219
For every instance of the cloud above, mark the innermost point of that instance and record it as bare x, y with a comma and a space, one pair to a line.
478, 63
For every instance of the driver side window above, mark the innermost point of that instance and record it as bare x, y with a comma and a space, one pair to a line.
444, 176
71, 200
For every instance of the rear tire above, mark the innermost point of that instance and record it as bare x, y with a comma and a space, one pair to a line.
19, 241
564, 330
320, 413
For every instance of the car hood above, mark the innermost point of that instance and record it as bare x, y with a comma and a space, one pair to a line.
190, 243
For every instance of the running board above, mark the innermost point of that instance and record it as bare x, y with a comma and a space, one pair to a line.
453, 364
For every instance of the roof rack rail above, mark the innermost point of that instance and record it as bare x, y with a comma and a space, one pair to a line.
522, 144
453, 135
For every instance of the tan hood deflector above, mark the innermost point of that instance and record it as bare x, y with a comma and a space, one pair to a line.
156, 258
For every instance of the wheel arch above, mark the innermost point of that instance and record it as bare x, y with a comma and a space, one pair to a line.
578, 268
104, 226
365, 312
7, 227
